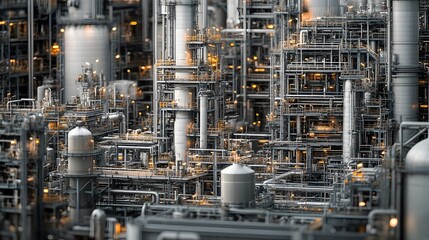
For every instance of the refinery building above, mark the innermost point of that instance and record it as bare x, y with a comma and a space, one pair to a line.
214, 119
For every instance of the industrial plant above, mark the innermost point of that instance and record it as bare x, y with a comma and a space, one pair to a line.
214, 119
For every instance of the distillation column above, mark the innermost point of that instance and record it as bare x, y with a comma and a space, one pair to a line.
80, 169
405, 46
86, 40
182, 94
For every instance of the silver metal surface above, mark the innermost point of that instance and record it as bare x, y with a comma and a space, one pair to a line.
84, 44
405, 37
347, 122
238, 186
416, 191
322, 8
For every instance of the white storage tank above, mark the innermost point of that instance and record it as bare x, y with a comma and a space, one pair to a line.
417, 191
238, 186
80, 143
80, 170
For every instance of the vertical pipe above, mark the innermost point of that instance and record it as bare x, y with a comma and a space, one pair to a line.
244, 61
30, 21
298, 127
24, 177
154, 67
203, 121
347, 122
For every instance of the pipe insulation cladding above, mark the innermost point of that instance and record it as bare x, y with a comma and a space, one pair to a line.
347, 122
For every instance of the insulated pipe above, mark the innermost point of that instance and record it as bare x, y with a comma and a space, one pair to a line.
375, 212
203, 121
405, 46
269, 181
347, 122
155, 194
97, 224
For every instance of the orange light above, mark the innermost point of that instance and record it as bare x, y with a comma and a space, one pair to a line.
133, 23
2, 22
393, 222
270, 26
117, 228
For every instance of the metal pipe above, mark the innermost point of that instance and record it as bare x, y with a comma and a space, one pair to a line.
282, 176
30, 31
203, 120
297, 188
371, 218
177, 235
155, 194
347, 122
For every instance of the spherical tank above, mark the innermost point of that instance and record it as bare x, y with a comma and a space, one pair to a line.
238, 186
80, 143
84, 44
417, 191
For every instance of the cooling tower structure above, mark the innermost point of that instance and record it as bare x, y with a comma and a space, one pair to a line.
80, 170
86, 43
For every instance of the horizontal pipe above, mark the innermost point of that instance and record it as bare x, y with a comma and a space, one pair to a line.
136, 192
375, 212
282, 176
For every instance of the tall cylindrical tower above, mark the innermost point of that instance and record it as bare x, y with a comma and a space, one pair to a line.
80, 169
86, 40
183, 97
405, 34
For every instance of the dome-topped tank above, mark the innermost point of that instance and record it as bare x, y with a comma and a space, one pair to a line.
417, 191
238, 186
80, 143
